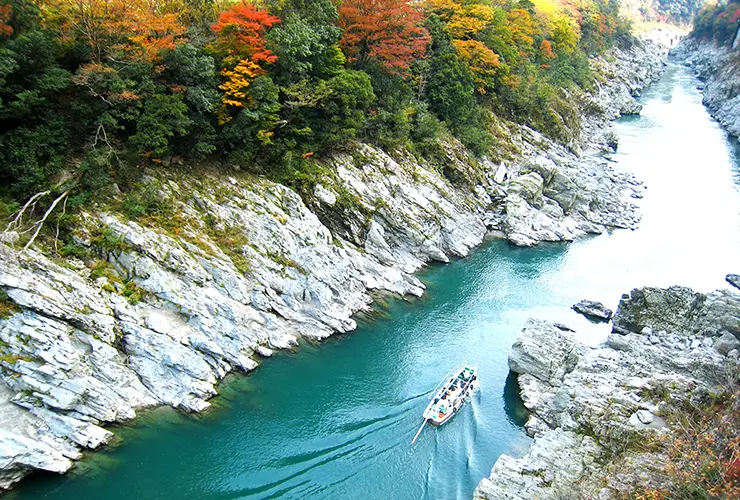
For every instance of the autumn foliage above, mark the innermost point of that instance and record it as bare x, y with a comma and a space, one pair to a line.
241, 34
703, 452
387, 31
116, 29
720, 21
5, 12
275, 84
242, 43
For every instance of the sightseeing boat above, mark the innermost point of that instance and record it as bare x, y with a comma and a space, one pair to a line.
450, 394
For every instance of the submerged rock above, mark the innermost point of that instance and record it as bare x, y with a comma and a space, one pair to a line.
593, 310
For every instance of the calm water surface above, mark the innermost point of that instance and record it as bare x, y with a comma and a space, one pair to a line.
335, 421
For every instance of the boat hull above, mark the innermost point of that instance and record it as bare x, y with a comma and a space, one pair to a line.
453, 394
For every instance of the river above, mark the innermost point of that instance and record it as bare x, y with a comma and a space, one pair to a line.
335, 420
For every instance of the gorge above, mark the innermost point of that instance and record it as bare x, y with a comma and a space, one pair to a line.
347, 406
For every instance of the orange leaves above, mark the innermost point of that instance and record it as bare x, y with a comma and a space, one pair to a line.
546, 53
546, 50
463, 21
242, 34
152, 31
6, 11
388, 31
119, 29
481, 60
522, 28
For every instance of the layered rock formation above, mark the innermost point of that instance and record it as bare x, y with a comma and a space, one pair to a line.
592, 406
242, 267
719, 67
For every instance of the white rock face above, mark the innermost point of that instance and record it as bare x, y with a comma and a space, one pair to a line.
248, 267
588, 404
624, 73
720, 68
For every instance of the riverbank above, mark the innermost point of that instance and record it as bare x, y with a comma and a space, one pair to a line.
242, 267
719, 68
604, 417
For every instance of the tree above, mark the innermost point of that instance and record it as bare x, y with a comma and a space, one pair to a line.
163, 117
153, 28
463, 21
565, 35
481, 60
241, 42
306, 42
450, 90
119, 29
387, 31
6, 11
523, 29
241, 33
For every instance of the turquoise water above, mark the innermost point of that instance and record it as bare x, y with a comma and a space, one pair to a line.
335, 420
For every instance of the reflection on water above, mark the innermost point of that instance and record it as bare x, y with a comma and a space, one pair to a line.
335, 420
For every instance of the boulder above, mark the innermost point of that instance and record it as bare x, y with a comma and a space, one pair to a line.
726, 343
529, 187
593, 310
543, 351
587, 402
673, 308
734, 280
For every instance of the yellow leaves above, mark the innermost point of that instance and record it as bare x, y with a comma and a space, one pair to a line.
265, 137
522, 29
235, 87
481, 60
463, 21
127, 29
445, 8
471, 21
565, 34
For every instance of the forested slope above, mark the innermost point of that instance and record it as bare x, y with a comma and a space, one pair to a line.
93, 90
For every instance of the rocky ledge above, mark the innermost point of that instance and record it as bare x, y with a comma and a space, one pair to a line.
241, 267
591, 407
719, 67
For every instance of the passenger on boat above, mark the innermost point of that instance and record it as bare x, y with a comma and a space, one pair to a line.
443, 408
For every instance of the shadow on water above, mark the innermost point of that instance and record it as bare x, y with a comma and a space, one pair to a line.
513, 405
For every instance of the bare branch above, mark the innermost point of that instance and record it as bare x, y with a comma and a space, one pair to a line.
40, 223
19, 216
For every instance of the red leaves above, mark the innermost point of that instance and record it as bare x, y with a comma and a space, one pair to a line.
735, 17
388, 31
6, 11
241, 32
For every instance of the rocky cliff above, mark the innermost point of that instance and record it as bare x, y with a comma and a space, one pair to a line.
239, 267
719, 67
599, 415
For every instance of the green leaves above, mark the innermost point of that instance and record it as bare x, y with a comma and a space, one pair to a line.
163, 117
